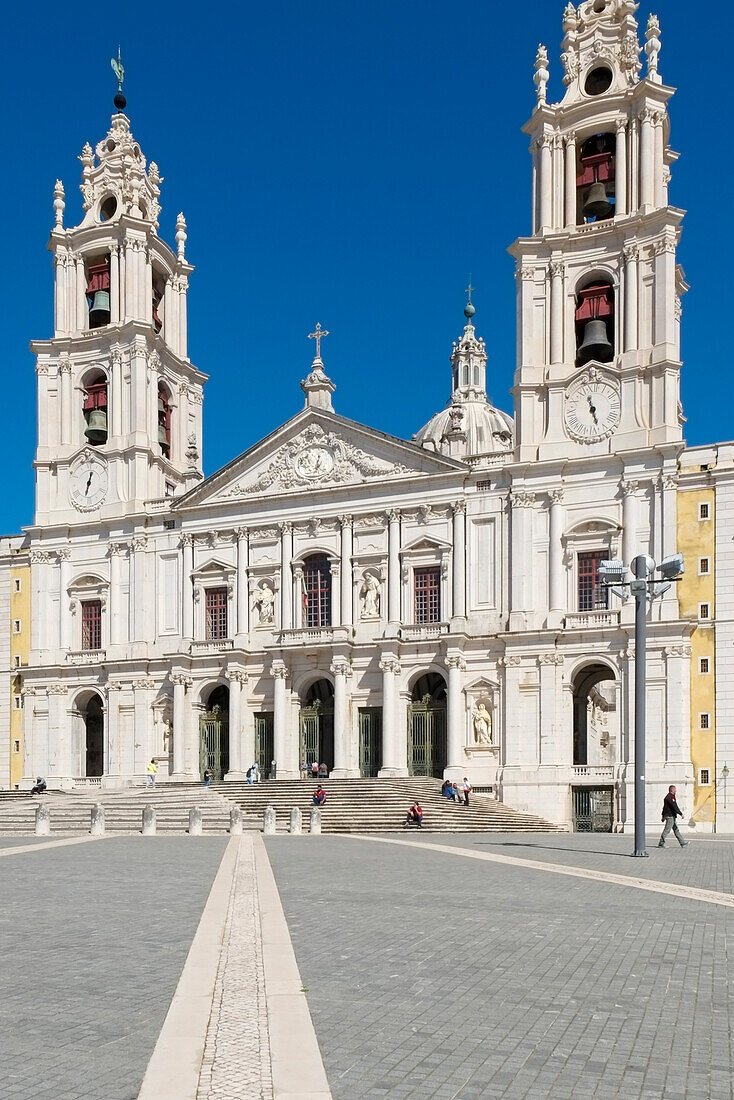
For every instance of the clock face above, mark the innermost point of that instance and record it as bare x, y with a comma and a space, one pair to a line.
315, 462
88, 485
592, 411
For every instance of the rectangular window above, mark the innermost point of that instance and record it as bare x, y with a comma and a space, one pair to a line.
16, 585
170, 488
704, 777
91, 624
427, 594
317, 591
704, 664
17, 702
592, 595
703, 566
16, 660
216, 614
704, 611
16, 746
704, 721
703, 511
484, 486
17, 627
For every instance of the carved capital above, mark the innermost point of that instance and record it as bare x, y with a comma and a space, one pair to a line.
57, 689
390, 665
521, 499
236, 675
64, 554
556, 269
459, 507
340, 667
393, 515
550, 659
555, 496
510, 662
144, 684
285, 528
631, 253
240, 533
279, 671
630, 488
456, 662
186, 539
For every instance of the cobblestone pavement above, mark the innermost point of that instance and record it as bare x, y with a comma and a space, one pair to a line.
92, 942
236, 1061
433, 976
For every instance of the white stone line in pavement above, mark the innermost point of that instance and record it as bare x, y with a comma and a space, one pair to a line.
297, 1065
173, 1070
61, 843
236, 1061
692, 893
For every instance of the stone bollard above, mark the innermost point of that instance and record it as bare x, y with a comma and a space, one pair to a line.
315, 822
148, 821
269, 821
296, 822
97, 820
235, 821
43, 821
195, 827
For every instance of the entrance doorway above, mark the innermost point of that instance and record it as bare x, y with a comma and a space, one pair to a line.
370, 741
214, 734
264, 743
593, 809
594, 716
427, 726
94, 730
317, 725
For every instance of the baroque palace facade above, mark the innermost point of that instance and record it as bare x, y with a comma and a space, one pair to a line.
386, 607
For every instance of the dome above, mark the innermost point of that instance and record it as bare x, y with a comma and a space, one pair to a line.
488, 430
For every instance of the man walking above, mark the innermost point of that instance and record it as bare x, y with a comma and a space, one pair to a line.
671, 810
467, 791
151, 769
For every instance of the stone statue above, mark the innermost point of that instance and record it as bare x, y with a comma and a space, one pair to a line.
265, 603
369, 595
482, 720
168, 734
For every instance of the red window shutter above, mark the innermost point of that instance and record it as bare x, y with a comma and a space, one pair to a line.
91, 624
317, 594
427, 594
216, 614
592, 595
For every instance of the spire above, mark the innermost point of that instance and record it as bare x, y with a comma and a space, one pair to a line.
119, 71
469, 360
316, 386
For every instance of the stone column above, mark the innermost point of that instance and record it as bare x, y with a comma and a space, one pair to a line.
138, 601
183, 337
115, 411
390, 669
631, 257
65, 387
237, 679
346, 570
115, 618
551, 738
59, 293
279, 672
82, 311
64, 623
180, 725
393, 567
459, 559
143, 750
557, 578
336, 603
545, 182
647, 159
629, 521
661, 197
112, 730
555, 270
187, 595
298, 616
286, 585
243, 587
570, 179
521, 534
341, 670
455, 717
620, 169
114, 284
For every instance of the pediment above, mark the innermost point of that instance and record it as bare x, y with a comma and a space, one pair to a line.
425, 543
313, 451
214, 567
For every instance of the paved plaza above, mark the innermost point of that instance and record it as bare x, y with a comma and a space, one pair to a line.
184, 968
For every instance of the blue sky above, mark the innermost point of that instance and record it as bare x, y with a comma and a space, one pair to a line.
349, 163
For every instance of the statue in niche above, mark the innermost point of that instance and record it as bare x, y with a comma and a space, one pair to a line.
482, 721
167, 734
369, 596
265, 603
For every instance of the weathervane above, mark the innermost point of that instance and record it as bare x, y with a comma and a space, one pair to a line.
318, 336
119, 71
469, 309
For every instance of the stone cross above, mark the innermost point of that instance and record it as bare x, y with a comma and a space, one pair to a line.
318, 336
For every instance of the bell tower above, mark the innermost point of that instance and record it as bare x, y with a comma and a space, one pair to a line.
598, 286
119, 402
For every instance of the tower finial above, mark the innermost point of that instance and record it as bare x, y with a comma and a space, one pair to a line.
469, 309
318, 336
119, 71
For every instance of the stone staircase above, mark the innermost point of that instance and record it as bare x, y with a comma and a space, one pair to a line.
379, 805
71, 811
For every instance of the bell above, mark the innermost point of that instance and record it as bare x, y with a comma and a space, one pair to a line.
162, 438
596, 343
99, 312
96, 429
596, 204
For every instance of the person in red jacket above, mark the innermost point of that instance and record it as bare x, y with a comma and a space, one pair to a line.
319, 796
415, 815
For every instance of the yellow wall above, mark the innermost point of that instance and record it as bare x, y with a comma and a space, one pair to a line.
696, 540
20, 644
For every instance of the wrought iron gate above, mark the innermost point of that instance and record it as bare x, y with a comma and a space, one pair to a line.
214, 743
317, 735
593, 809
370, 741
427, 739
264, 743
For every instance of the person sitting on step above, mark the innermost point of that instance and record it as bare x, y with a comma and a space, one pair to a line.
415, 816
323, 771
40, 786
319, 796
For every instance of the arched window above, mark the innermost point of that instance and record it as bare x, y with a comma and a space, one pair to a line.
317, 591
595, 178
98, 292
595, 323
164, 421
95, 408
157, 299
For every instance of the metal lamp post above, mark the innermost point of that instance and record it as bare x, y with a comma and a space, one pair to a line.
724, 776
643, 587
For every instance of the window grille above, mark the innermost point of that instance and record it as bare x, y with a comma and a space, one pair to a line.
703, 511
703, 566
704, 721
91, 624
216, 614
317, 591
592, 595
704, 777
427, 594
703, 664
